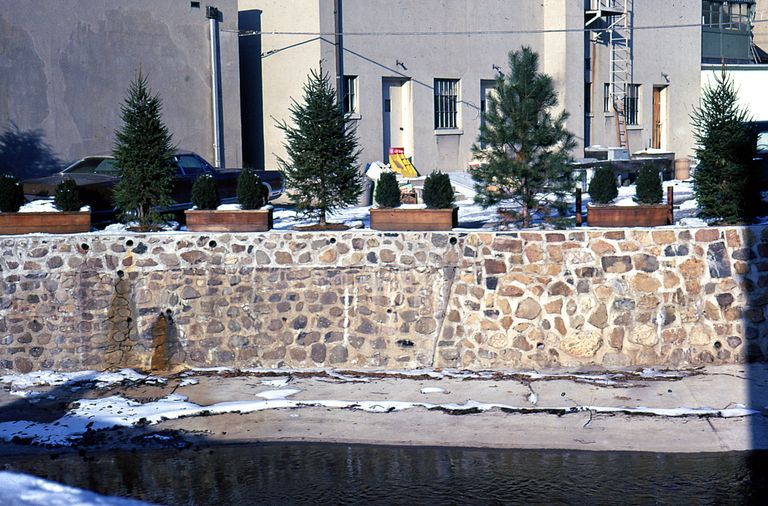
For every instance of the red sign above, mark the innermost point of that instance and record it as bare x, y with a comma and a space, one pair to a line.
396, 151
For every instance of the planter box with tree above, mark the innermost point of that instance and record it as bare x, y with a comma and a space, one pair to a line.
252, 216
440, 213
648, 213
69, 220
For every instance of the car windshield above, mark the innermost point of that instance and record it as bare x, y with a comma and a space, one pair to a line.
94, 166
191, 165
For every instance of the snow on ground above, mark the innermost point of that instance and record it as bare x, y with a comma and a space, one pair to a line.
22, 382
44, 206
18, 489
117, 411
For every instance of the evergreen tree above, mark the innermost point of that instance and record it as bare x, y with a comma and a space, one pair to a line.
11, 194
649, 189
602, 186
205, 193
67, 196
388, 191
524, 148
251, 192
725, 181
321, 169
438, 191
144, 156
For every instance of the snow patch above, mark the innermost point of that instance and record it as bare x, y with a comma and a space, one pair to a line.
24, 490
278, 394
432, 390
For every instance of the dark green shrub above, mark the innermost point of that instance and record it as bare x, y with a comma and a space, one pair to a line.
251, 192
602, 187
11, 194
438, 192
205, 192
388, 191
67, 197
648, 183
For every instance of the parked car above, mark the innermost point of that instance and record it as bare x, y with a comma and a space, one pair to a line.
96, 177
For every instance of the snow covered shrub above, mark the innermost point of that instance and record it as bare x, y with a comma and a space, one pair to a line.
649, 190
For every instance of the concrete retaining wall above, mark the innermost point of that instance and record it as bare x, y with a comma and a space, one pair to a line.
579, 298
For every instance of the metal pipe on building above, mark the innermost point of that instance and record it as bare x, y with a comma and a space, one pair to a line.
338, 30
213, 14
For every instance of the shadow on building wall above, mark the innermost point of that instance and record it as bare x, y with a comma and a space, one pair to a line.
25, 154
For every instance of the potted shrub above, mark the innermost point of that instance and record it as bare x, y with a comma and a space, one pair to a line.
437, 213
249, 215
64, 217
648, 212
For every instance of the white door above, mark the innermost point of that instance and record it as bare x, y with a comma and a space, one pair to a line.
395, 114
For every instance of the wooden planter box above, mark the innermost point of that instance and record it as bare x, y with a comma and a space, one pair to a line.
259, 220
414, 219
628, 216
48, 223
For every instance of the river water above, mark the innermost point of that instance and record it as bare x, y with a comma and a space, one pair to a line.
347, 474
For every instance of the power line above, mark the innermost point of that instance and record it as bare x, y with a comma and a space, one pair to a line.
249, 33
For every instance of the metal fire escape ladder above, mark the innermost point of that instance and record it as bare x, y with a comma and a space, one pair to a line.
620, 38
613, 18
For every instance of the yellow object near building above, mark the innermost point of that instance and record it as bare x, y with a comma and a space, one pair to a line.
400, 164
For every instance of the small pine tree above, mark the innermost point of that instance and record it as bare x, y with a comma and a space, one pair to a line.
725, 183
388, 191
602, 187
321, 168
205, 192
438, 191
251, 192
144, 156
67, 196
649, 190
524, 149
11, 194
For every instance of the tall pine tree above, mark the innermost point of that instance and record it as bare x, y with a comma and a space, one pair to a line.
144, 156
321, 169
725, 181
524, 149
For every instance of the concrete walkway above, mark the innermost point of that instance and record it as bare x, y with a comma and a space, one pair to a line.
547, 411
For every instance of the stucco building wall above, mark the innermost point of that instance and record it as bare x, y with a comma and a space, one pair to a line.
65, 68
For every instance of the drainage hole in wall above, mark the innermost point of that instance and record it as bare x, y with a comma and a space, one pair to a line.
84, 247
453, 241
405, 343
129, 319
212, 244
129, 242
333, 240
540, 346
120, 274
718, 345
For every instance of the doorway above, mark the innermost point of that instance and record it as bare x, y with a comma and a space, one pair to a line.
658, 138
396, 114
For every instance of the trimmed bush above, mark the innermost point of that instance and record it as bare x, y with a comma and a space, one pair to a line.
251, 192
388, 191
11, 194
649, 190
67, 197
438, 192
602, 187
205, 192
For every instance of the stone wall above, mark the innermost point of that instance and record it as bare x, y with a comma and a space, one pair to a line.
362, 299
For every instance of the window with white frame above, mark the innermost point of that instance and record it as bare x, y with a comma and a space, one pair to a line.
607, 97
350, 95
632, 104
446, 104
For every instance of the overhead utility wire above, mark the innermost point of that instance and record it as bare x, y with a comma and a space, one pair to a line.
248, 33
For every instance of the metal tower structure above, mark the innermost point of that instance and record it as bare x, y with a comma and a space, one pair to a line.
613, 18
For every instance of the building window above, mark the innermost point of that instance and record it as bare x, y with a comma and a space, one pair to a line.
350, 95
446, 103
607, 97
632, 103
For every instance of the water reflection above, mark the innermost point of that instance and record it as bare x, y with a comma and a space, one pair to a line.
343, 474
